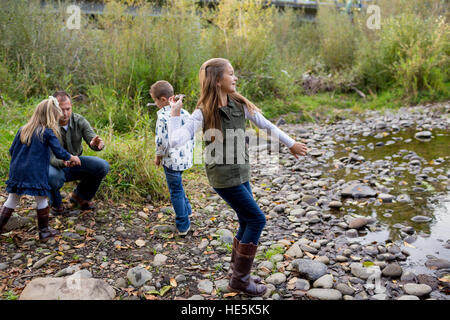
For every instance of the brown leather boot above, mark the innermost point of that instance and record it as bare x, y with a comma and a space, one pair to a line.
83, 204
241, 280
45, 232
5, 214
236, 242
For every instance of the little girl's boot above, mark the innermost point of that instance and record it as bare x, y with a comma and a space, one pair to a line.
45, 232
5, 214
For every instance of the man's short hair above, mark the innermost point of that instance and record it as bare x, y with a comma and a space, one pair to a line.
161, 88
62, 95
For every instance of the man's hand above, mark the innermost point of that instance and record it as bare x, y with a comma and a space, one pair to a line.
97, 142
73, 161
298, 149
158, 160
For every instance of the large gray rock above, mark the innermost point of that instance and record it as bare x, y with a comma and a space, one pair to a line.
312, 270
16, 222
68, 288
417, 289
138, 276
324, 294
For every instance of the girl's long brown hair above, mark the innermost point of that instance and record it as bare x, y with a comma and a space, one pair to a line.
46, 115
211, 72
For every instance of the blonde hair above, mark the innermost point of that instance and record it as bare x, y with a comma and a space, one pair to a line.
211, 72
46, 115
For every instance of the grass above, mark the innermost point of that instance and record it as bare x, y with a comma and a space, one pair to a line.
109, 64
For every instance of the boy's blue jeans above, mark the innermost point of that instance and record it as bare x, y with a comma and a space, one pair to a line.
178, 198
251, 219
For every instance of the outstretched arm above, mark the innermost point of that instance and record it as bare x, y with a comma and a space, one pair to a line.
261, 122
179, 132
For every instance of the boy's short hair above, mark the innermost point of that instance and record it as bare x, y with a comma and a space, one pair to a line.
161, 88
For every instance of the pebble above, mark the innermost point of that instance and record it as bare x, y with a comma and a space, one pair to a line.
408, 297
324, 294
138, 276
159, 260
393, 270
302, 284
325, 282
345, 289
421, 219
276, 278
357, 223
43, 261
295, 251
205, 286
335, 204
196, 297
313, 270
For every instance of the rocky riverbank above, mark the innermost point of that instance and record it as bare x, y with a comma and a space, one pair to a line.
320, 211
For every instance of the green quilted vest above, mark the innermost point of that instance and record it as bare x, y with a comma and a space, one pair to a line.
229, 165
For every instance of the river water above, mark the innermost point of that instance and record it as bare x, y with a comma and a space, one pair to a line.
423, 186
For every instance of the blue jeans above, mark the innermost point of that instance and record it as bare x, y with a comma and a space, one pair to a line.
251, 219
178, 198
90, 173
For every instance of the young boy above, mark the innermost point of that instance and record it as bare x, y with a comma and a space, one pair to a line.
173, 160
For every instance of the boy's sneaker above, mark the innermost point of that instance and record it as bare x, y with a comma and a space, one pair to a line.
185, 232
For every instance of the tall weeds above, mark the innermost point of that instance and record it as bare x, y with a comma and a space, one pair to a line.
112, 60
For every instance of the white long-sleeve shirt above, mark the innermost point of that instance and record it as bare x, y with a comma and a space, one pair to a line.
179, 133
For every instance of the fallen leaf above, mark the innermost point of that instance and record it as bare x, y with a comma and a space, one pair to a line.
79, 246
231, 294
173, 282
150, 297
309, 255
164, 290
408, 245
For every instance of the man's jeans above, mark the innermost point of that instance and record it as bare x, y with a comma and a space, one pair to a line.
90, 173
178, 198
251, 219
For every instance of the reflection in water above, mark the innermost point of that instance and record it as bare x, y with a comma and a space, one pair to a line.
403, 166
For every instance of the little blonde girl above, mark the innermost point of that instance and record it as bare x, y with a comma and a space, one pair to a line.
30, 158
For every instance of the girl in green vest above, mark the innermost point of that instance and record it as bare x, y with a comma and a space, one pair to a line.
221, 110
